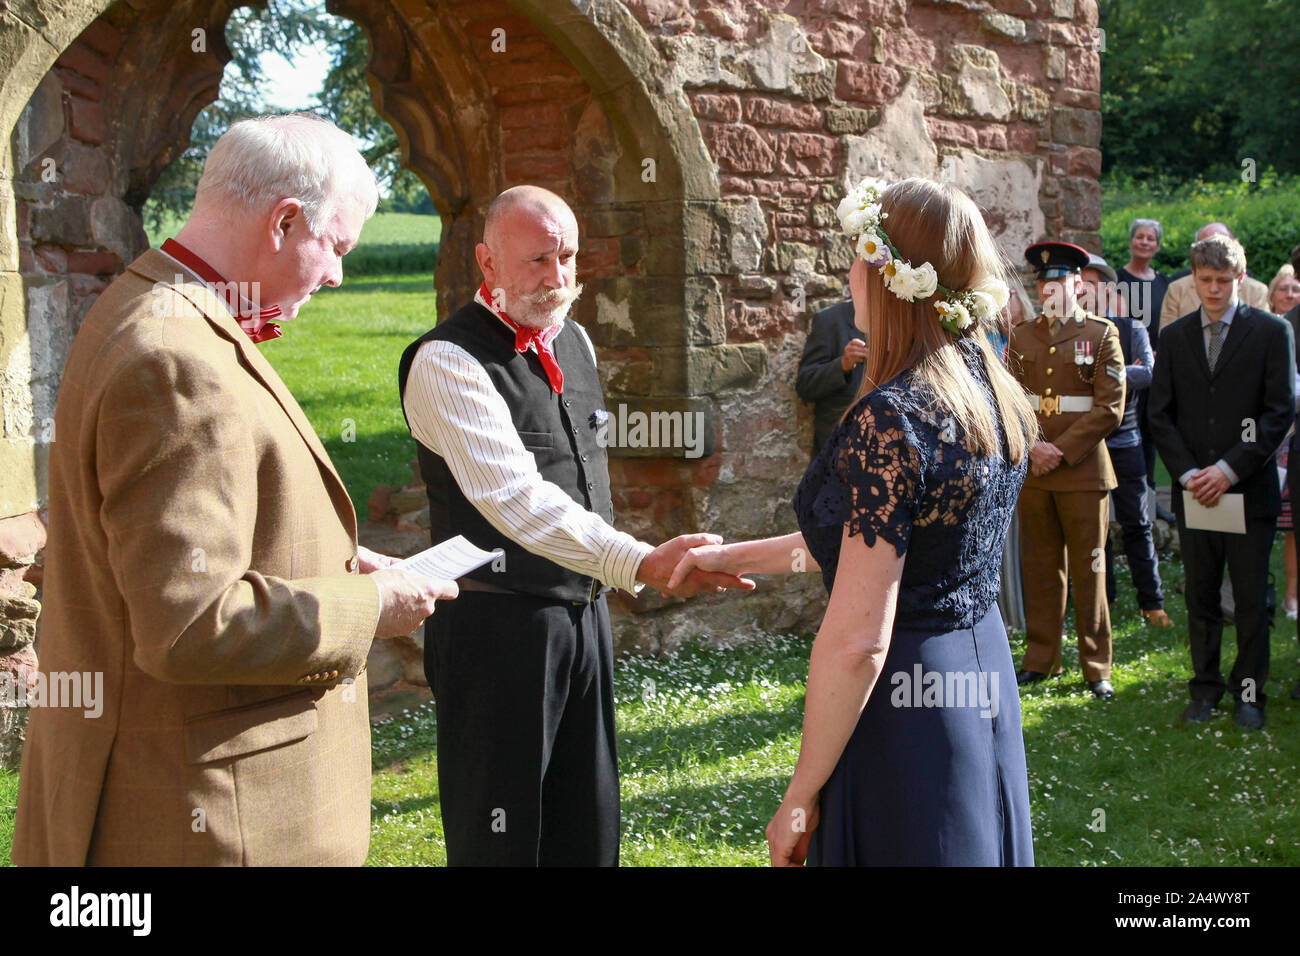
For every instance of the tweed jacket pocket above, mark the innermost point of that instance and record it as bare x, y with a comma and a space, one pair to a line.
238, 731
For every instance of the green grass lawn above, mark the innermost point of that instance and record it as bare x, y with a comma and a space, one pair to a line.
708, 739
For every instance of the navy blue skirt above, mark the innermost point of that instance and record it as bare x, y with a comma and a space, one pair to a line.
934, 774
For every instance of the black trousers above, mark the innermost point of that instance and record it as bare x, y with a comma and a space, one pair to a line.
527, 761
1130, 497
1204, 554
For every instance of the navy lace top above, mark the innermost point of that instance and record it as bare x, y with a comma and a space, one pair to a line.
895, 469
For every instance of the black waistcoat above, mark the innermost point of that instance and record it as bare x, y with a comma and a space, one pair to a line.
559, 430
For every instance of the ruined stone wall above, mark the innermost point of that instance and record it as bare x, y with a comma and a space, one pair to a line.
796, 101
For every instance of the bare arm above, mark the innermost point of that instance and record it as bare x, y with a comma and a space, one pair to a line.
847, 659
784, 555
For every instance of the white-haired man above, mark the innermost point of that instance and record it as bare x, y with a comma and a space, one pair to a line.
202, 553
505, 403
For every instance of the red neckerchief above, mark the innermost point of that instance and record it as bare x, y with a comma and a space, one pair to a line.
255, 323
524, 337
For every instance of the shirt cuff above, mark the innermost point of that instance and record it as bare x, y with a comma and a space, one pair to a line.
622, 562
1186, 476
1223, 467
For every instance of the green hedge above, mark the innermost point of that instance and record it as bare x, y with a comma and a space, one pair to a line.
370, 259
1265, 216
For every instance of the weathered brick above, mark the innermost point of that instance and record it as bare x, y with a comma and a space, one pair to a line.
94, 263
765, 111
739, 148
80, 58
870, 83
993, 137
86, 120
1022, 139
1084, 161
723, 107
51, 258
950, 131
807, 154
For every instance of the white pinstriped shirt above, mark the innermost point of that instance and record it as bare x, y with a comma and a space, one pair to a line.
455, 411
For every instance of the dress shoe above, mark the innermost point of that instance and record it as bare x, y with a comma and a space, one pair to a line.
1157, 617
1198, 711
1029, 677
1101, 689
1248, 716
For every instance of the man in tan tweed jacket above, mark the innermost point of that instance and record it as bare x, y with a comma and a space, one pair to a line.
202, 551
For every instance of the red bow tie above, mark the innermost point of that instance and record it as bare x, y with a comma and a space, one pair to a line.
525, 336
256, 324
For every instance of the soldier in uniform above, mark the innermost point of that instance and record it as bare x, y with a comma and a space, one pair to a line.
1070, 361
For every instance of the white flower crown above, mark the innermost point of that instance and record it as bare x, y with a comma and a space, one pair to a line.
861, 217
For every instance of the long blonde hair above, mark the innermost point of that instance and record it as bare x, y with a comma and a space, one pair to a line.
939, 224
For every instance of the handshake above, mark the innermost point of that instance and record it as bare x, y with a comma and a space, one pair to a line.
686, 565
690, 564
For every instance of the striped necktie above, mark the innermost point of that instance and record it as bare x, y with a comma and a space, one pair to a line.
1216, 343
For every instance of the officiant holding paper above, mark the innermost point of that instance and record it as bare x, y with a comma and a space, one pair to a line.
504, 401
1222, 395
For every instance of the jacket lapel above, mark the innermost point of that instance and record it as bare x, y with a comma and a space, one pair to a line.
158, 267
1196, 342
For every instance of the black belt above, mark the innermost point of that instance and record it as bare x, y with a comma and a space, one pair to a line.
470, 584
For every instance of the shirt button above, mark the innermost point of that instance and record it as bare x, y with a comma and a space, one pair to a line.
575, 429
1052, 350
590, 485
567, 403
584, 457
1049, 371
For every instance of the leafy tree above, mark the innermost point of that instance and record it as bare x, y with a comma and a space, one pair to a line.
1191, 88
288, 27
346, 100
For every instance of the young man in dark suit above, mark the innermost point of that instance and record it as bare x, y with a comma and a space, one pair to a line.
1222, 399
831, 368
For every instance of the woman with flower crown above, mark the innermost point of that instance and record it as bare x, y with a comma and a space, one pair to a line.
912, 752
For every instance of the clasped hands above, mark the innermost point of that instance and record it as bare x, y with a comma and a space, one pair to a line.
1208, 485
1044, 457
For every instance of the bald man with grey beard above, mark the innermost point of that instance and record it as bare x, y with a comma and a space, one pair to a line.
505, 404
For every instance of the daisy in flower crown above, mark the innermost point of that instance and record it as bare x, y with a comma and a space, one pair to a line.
862, 219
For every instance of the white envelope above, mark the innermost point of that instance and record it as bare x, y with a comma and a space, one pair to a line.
1228, 514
